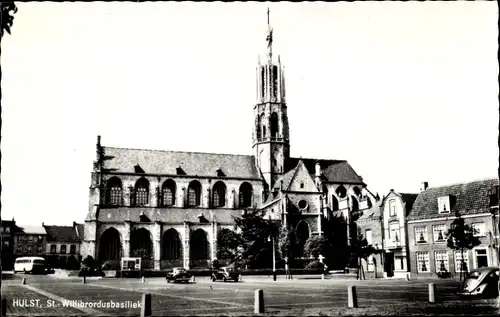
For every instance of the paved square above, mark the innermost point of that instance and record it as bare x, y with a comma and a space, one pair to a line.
117, 297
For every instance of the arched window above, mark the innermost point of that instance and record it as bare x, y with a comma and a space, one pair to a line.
259, 123
219, 194
274, 125
194, 194
110, 247
141, 244
114, 191
199, 245
245, 195
142, 192
302, 233
341, 191
354, 204
168, 193
335, 203
357, 191
172, 245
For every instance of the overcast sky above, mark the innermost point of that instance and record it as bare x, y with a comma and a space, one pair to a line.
405, 91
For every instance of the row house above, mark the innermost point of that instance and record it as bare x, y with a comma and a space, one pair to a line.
29, 241
430, 218
7, 230
63, 245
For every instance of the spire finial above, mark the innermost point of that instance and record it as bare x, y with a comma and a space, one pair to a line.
268, 16
269, 38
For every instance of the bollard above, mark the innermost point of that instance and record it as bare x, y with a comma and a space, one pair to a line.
23, 281
143, 279
4, 307
259, 302
322, 276
194, 279
146, 305
240, 278
432, 293
352, 299
407, 277
84, 280
274, 276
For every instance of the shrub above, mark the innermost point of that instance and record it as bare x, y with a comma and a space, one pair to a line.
444, 274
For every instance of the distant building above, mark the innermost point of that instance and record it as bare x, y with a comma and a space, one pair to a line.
370, 226
63, 242
29, 241
431, 216
7, 230
395, 207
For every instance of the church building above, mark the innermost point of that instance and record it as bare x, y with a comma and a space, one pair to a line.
169, 207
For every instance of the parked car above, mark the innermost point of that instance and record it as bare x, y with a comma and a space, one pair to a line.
225, 274
178, 274
482, 282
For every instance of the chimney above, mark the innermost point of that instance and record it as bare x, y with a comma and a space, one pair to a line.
74, 224
424, 186
98, 140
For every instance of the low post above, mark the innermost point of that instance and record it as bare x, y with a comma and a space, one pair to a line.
84, 280
240, 278
352, 299
323, 276
432, 293
407, 277
194, 279
259, 302
146, 305
4, 307
23, 281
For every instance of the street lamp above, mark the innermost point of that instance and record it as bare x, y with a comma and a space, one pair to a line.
271, 239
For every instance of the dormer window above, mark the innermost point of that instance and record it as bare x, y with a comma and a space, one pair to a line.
301, 185
444, 204
180, 171
220, 173
392, 208
138, 169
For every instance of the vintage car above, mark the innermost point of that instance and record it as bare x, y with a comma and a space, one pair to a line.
178, 274
482, 282
225, 274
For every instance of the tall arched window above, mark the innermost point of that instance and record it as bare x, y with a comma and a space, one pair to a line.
172, 246
110, 247
357, 191
168, 193
302, 233
354, 204
142, 192
274, 125
245, 195
335, 203
114, 191
219, 194
257, 128
199, 245
194, 194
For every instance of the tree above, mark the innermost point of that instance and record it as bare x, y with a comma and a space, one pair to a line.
361, 250
461, 237
254, 233
317, 245
8, 11
287, 247
228, 242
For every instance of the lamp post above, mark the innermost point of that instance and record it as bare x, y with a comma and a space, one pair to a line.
271, 238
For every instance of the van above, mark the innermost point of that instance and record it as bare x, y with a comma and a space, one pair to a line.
29, 264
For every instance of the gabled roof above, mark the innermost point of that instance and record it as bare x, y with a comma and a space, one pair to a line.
174, 163
168, 215
40, 230
62, 234
80, 230
334, 171
466, 198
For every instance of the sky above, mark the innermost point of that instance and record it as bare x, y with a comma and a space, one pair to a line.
405, 91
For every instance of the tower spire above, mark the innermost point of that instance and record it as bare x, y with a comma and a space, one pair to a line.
269, 38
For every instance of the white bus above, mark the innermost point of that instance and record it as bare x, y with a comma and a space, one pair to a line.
29, 264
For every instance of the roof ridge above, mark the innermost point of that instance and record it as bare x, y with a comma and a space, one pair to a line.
296, 169
317, 159
172, 151
464, 183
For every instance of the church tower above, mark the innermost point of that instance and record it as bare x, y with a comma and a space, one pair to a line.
270, 133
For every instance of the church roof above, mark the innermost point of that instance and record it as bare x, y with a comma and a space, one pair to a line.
179, 163
334, 171
466, 198
168, 215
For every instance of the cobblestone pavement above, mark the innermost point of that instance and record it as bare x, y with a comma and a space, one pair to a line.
301, 296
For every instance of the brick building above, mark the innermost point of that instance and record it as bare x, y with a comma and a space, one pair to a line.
63, 245
168, 207
29, 241
431, 216
7, 230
